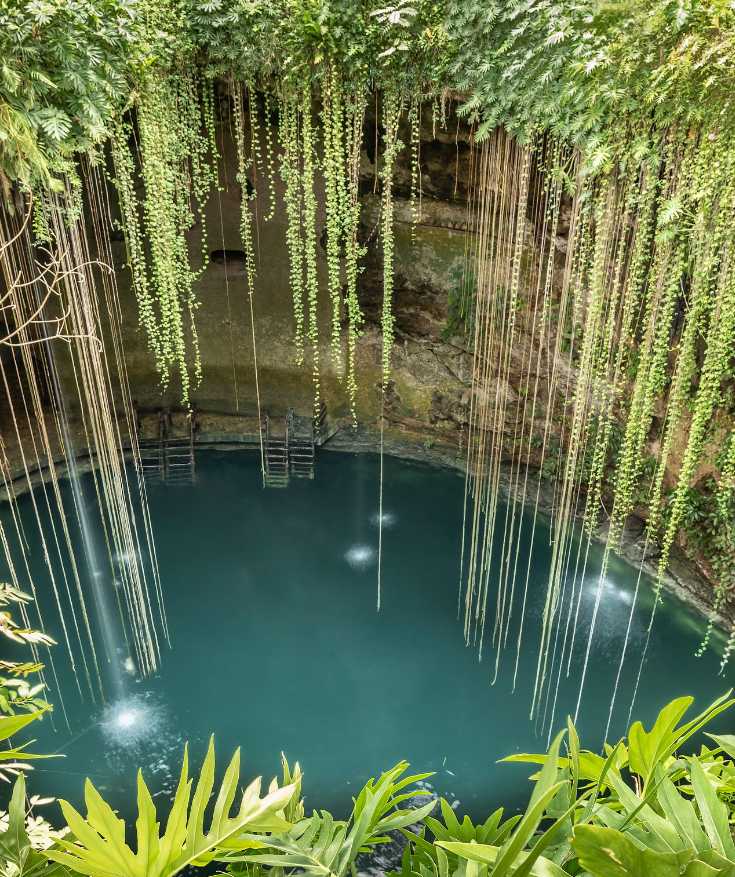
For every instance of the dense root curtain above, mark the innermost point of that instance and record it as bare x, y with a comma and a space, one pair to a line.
46, 372
617, 357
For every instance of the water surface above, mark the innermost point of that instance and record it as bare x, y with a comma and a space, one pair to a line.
277, 645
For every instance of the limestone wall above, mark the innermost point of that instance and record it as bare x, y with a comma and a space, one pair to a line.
427, 402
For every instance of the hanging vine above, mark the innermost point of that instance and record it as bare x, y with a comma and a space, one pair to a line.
244, 163
391, 115
290, 169
334, 185
310, 239
176, 169
353, 249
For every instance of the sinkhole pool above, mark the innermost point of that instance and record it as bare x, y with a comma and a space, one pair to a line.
277, 645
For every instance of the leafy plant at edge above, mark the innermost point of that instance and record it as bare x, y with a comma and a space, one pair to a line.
325, 847
100, 850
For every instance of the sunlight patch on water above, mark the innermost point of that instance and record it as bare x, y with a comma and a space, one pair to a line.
360, 556
129, 721
622, 595
138, 731
388, 519
610, 590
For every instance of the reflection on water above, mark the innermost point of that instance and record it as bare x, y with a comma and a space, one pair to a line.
389, 519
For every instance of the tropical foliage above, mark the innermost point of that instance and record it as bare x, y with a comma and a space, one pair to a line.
99, 847
20, 699
64, 69
24, 837
641, 807
262, 834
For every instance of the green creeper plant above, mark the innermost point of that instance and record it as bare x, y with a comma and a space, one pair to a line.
62, 76
391, 117
310, 236
290, 170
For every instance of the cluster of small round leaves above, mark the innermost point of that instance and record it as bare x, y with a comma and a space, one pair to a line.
391, 146
309, 202
270, 156
332, 117
244, 163
290, 170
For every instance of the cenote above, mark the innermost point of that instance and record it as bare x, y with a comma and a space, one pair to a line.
259, 258
277, 645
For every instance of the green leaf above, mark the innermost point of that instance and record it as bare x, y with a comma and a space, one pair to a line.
321, 845
16, 852
100, 848
712, 812
10, 725
605, 852
649, 749
487, 854
682, 815
726, 742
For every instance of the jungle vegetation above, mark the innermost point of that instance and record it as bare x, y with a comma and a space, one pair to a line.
613, 115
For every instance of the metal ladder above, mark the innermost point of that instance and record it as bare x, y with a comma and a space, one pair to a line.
275, 455
300, 450
179, 457
153, 456
318, 425
168, 459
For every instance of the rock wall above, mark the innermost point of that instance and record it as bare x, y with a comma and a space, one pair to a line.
431, 364
427, 402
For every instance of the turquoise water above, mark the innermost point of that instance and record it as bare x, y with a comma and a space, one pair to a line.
277, 646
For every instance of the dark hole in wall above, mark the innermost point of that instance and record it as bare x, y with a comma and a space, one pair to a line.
230, 258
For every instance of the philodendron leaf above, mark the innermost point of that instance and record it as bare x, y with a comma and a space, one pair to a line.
650, 749
605, 852
100, 848
322, 846
10, 725
487, 854
726, 742
315, 846
646, 748
713, 812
